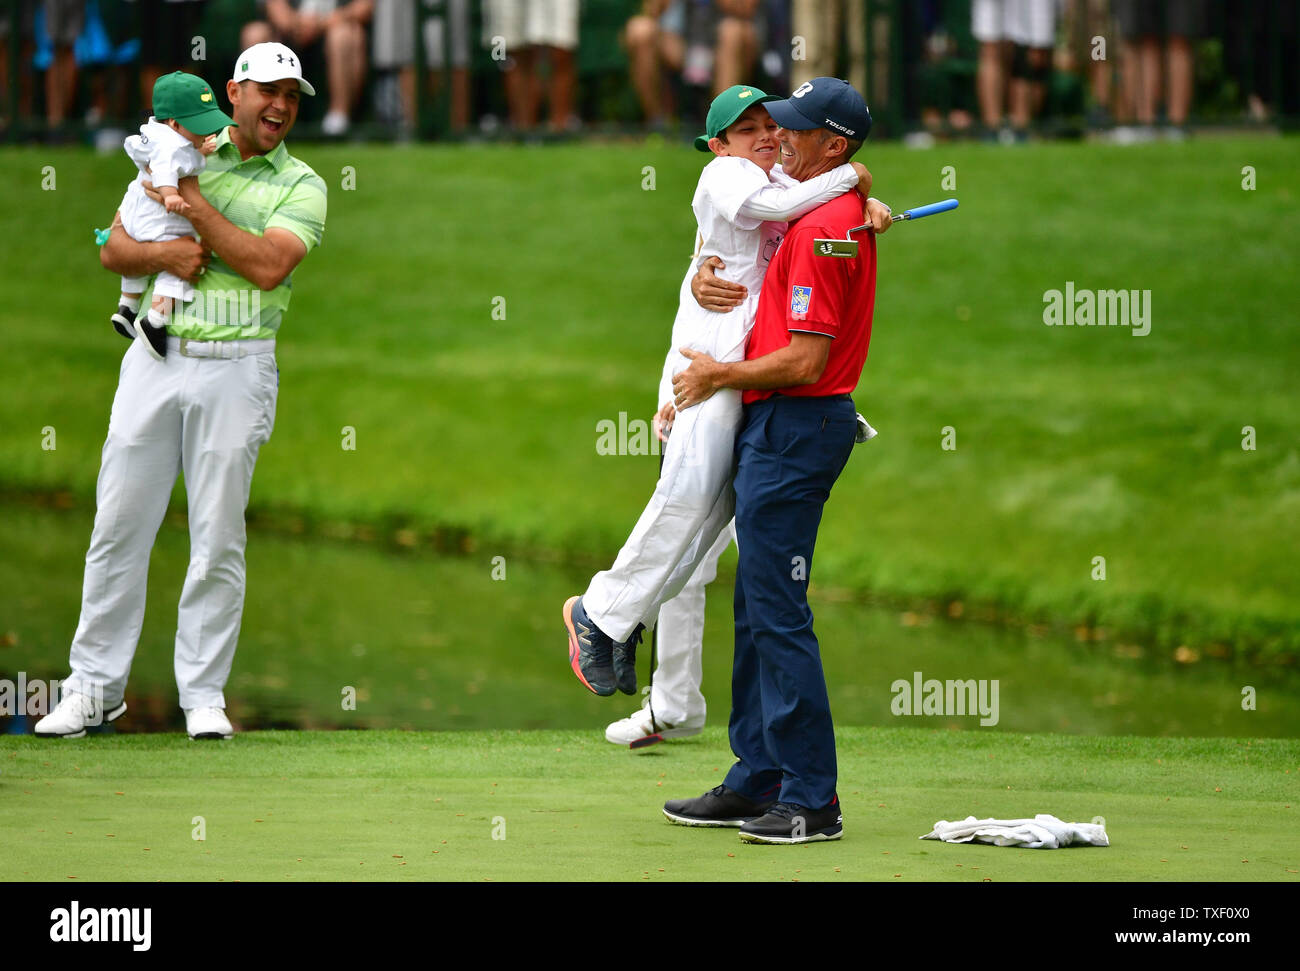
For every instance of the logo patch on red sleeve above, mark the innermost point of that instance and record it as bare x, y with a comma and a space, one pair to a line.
800, 297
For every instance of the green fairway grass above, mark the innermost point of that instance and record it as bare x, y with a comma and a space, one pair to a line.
563, 806
1072, 443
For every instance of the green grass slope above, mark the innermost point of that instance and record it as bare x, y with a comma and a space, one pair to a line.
1072, 443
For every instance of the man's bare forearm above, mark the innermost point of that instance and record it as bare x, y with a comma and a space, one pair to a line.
183, 256
130, 257
256, 258
783, 368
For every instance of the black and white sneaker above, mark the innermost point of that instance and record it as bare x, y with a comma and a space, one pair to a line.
74, 714
719, 806
788, 823
124, 321
153, 335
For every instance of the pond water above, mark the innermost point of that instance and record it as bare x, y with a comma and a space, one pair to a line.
427, 641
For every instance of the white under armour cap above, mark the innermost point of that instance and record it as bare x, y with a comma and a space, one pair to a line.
270, 62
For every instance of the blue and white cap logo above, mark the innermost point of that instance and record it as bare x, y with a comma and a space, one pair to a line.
829, 103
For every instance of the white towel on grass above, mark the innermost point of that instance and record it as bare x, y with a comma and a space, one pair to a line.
1043, 832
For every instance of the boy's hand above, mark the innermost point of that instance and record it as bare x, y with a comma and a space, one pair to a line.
864, 179
713, 293
662, 423
209, 145
173, 202
877, 214
160, 194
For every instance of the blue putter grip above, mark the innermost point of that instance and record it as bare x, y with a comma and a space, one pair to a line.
931, 209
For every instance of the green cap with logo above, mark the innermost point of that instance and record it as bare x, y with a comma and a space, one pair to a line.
189, 100
727, 107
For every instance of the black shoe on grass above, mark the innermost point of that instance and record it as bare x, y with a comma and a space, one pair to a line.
719, 806
788, 823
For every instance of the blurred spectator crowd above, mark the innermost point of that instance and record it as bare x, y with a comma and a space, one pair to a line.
996, 69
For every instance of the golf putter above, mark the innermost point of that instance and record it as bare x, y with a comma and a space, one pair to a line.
848, 247
655, 737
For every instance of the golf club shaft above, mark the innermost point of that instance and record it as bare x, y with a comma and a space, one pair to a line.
920, 212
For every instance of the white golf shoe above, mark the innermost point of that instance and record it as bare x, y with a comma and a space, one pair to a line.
641, 725
207, 723
74, 714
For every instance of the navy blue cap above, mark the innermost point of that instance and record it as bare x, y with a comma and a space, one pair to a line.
828, 103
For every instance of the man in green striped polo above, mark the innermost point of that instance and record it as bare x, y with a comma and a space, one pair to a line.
204, 410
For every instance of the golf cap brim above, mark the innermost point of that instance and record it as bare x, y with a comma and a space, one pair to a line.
271, 62
188, 100
206, 122
789, 117
830, 103
726, 108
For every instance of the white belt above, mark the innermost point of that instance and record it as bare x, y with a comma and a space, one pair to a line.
231, 350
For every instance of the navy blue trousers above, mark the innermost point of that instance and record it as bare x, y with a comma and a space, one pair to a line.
789, 453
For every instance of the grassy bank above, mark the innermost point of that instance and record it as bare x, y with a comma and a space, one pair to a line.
1071, 443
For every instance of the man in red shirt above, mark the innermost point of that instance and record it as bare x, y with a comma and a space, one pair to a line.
804, 357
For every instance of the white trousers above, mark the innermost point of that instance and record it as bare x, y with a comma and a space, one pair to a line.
693, 501
679, 644
207, 418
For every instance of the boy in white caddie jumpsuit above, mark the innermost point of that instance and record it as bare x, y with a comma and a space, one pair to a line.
171, 145
741, 204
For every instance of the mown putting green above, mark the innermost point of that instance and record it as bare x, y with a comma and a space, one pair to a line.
566, 806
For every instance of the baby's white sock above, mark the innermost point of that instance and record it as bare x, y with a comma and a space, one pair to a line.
130, 303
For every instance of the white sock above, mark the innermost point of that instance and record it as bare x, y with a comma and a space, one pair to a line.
156, 318
130, 303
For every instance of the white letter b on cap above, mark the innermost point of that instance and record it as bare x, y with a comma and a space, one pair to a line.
802, 90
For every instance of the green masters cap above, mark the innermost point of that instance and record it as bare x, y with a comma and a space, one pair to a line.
727, 107
190, 101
